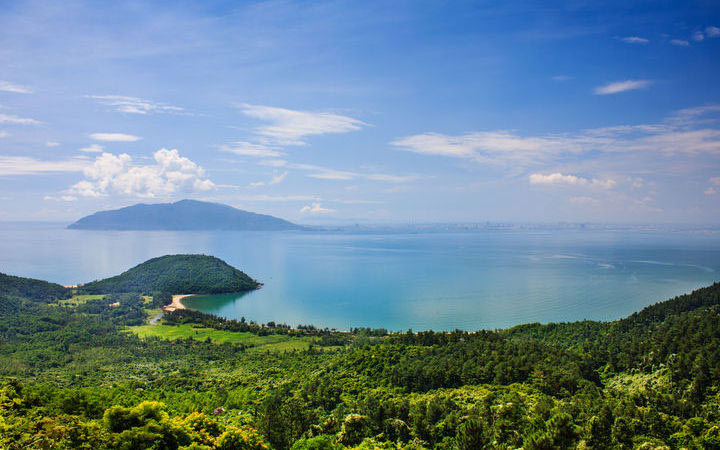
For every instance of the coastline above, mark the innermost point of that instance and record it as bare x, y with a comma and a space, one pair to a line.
177, 302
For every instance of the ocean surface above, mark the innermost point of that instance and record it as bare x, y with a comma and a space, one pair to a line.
397, 280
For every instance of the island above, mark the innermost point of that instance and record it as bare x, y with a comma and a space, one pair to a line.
177, 275
184, 215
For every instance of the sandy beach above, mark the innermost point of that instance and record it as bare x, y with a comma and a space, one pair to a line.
176, 302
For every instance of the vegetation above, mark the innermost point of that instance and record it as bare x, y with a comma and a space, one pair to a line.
176, 274
95, 374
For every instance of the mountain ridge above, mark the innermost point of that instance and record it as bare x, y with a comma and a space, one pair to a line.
183, 215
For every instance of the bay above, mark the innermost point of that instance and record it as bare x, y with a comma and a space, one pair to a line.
434, 279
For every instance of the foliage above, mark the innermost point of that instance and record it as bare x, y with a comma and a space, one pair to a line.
74, 377
177, 274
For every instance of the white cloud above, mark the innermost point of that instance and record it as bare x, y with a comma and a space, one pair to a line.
315, 208
554, 178
635, 40
9, 118
114, 137
715, 181
243, 148
92, 148
487, 146
277, 178
4, 134
561, 78
679, 42
134, 105
7, 86
686, 132
698, 36
64, 198
51, 144
712, 32
291, 127
622, 86
584, 200
326, 173
571, 180
22, 165
115, 174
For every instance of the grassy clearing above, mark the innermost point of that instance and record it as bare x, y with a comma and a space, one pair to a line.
272, 342
76, 300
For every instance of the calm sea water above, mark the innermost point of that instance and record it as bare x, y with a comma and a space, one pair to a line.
397, 280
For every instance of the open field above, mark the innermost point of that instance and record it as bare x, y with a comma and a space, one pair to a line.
79, 299
273, 342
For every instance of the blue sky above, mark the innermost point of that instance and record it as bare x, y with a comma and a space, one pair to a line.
364, 111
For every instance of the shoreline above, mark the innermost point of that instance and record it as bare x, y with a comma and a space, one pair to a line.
176, 302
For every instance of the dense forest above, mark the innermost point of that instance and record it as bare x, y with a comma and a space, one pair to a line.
177, 274
75, 373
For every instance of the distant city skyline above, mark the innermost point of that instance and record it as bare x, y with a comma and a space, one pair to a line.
372, 112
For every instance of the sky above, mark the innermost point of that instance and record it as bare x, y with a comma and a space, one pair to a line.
364, 112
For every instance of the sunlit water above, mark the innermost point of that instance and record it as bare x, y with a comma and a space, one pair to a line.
397, 280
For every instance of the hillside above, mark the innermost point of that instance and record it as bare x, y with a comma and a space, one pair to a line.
181, 215
37, 290
98, 375
177, 274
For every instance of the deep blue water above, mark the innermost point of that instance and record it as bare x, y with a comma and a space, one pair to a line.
398, 280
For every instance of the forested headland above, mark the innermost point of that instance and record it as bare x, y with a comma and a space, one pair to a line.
83, 368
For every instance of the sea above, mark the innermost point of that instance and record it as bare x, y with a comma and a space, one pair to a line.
400, 278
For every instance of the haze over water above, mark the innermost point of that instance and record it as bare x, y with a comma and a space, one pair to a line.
438, 280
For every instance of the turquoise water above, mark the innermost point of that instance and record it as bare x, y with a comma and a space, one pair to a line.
398, 280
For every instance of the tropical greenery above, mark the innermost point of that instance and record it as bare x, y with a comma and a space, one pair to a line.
95, 374
176, 274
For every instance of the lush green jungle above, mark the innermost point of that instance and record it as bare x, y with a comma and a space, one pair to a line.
87, 368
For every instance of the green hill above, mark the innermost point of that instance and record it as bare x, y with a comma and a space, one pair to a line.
177, 274
37, 290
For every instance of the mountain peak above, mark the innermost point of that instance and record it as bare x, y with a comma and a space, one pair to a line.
182, 215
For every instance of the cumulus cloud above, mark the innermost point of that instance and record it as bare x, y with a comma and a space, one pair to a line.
114, 137
712, 32
7, 86
22, 165
315, 208
698, 36
622, 86
15, 120
244, 148
680, 42
115, 174
291, 127
635, 40
134, 105
571, 180
51, 144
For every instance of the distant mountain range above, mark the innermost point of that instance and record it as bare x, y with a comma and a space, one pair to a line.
182, 215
